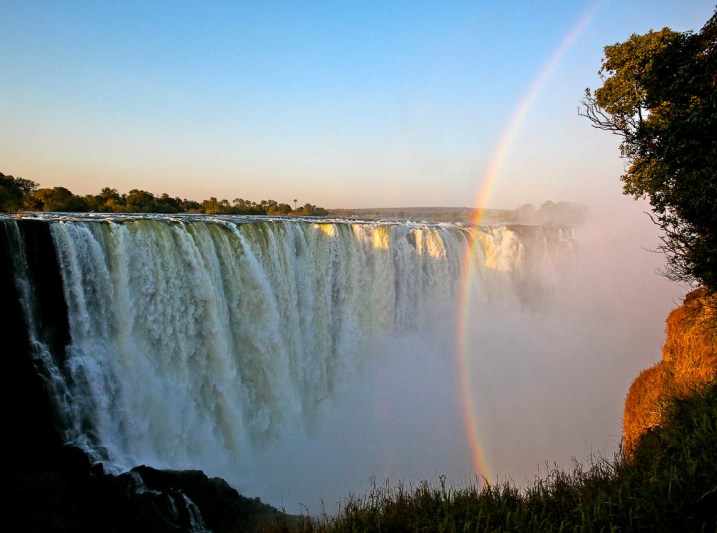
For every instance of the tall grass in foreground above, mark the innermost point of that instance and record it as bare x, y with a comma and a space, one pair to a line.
668, 484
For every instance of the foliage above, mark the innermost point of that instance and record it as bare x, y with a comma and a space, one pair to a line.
670, 484
659, 94
18, 194
15, 193
59, 199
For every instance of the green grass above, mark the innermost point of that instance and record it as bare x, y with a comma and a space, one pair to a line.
670, 484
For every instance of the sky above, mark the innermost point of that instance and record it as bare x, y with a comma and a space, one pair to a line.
343, 104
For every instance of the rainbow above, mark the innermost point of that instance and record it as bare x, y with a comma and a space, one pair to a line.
466, 362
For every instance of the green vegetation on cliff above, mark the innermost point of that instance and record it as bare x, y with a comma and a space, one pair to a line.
18, 194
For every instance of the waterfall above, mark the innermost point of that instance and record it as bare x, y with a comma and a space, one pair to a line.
195, 340
44, 361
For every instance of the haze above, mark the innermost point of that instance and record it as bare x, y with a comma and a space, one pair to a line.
549, 385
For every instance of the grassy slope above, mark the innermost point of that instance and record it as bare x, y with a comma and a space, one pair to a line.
669, 484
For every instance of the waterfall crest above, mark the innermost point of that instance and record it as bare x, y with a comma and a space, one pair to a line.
195, 340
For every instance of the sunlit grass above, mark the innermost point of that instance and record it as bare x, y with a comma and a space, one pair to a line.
669, 484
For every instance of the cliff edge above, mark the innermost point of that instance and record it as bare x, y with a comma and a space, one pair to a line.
689, 360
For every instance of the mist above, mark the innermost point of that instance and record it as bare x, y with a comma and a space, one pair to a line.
548, 383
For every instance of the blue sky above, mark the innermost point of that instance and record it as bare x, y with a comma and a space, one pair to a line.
341, 104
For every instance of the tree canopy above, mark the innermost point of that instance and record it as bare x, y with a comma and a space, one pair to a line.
659, 94
18, 194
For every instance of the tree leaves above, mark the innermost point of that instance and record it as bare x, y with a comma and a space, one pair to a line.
659, 94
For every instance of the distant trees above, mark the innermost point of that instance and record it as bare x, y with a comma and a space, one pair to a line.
59, 199
659, 94
567, 213
18, 194
310, 210
108, 201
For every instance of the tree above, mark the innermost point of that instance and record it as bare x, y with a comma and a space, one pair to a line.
107, 201
167, 204
139, 201
659, 94
10, 194
216, 207
16, 193
278, 209
310, 210
60, 199
191, 206
525, 213
26, 186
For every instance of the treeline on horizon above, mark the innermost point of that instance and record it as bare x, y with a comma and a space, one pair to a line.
547, 213
19, 194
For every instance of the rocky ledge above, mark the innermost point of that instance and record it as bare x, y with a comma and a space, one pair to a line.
76, 495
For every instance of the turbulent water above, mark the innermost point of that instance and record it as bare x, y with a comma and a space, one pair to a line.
198, 341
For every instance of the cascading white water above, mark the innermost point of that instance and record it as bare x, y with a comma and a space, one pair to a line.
266, 350
194, 341
296, 358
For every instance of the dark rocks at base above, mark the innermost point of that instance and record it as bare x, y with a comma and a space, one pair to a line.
27, 415
222, 507
49, 487
78, 496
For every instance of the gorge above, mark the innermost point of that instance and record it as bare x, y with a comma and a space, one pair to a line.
281, 354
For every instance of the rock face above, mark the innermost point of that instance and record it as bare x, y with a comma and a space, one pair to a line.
689, 360
48, 486
222, 507
74, 495
27, 415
